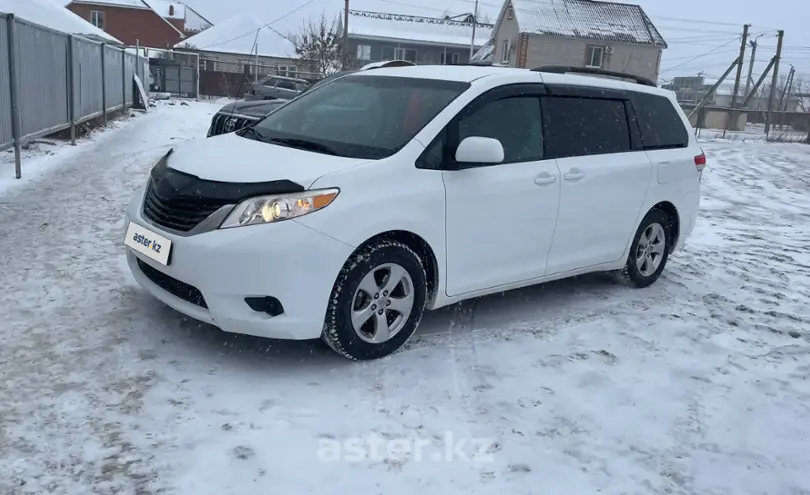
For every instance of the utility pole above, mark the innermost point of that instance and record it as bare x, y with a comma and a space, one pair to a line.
786, 89
256, 47
775, 80
346, 36
750, 78
740, 59
475, 22
759, 82
711, 91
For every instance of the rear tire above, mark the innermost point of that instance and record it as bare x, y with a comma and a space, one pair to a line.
649, 251
377, 301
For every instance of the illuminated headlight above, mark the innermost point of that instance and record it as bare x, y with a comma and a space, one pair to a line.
272, 209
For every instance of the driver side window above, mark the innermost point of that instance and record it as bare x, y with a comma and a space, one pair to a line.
514, 121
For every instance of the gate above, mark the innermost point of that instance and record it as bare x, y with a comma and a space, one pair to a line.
175, 73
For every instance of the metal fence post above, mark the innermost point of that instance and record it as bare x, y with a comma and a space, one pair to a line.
16, 127
71, 90
123, 80
137, 61
103, 83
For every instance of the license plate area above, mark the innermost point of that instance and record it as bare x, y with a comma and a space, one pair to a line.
149, 243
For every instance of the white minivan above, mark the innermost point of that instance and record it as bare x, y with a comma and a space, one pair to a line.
349, 211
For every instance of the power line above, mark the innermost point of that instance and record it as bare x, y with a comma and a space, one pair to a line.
252, 31
691, 57
713, 50
412, 5
714, 38
693, 21
712, 65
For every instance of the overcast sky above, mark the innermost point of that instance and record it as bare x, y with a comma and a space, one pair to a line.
691, 27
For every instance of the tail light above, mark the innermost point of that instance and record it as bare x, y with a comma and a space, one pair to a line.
700, 162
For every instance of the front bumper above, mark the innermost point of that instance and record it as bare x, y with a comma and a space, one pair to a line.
288, 261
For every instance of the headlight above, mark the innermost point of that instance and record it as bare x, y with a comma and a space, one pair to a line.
272, 209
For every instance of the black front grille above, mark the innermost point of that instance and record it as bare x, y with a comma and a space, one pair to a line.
173, 286
179, 201
220, 124
176, 210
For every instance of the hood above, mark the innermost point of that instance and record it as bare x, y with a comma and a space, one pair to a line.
256, 108
230, 158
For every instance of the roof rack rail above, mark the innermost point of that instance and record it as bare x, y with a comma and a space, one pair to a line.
564, 69
478, 63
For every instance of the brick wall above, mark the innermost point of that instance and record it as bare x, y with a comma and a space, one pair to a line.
639, 60
131, 25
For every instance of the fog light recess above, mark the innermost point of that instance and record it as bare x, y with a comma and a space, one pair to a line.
265, 304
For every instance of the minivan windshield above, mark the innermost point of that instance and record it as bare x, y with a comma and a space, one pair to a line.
358, 116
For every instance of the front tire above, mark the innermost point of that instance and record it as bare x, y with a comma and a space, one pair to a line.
649, 251
377, 301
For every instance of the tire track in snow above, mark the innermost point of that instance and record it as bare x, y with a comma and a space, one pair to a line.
538, 328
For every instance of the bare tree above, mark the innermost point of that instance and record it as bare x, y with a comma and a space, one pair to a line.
318, 46
801, 89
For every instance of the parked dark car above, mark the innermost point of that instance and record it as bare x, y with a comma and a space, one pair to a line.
239, 114
276, 88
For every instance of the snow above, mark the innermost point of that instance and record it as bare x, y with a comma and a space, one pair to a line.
238, 34
484, 53
698, 384
587, 19
376, 25
163, 8
138, 4
53, 16
194, 21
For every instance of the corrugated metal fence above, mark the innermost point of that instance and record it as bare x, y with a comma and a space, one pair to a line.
51, 81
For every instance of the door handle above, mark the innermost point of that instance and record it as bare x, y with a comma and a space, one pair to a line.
573, 176
544, 180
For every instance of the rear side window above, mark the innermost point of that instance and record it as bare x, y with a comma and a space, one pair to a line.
574, 126
661, 126
286, 85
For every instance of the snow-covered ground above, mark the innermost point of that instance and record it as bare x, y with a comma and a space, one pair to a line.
698, 384
755, 133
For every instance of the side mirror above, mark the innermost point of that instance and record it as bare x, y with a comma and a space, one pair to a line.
476, 149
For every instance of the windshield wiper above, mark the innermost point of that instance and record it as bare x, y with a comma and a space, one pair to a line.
243, 132
304, 145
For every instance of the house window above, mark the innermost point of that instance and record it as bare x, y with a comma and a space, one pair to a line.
510, 13
363, 52
287, 71
505, 52
594, 56
208, 65
407, 54
449, 58
97, 18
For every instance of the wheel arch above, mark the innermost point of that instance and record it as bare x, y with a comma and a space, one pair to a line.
671, 212
422, 248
